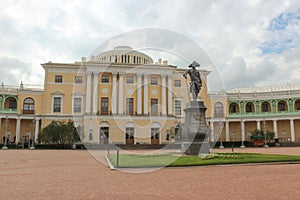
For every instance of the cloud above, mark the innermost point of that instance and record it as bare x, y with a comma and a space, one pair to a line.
13, 71
244, 40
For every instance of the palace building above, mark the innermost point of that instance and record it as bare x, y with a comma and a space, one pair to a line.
122, 96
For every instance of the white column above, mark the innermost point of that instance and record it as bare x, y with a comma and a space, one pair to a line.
212, 132
18, 130
121, 97
275, 128
292, 130
258, 125
95, 96
36, 131
146, 94
170, 103
88, 93
242, 130
139, 94
227, 132
114, 94
163, 91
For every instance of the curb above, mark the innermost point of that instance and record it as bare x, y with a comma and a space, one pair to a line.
109, 163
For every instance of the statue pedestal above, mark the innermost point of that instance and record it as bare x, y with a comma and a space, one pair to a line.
195, 131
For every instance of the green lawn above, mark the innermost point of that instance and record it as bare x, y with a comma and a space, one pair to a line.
171, 160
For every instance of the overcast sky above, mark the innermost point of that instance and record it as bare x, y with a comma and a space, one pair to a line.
250, 42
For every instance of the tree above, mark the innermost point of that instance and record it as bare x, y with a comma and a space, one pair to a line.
59, 133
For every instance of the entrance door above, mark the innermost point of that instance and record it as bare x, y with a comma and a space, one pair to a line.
129, 134
154, 135
104, 135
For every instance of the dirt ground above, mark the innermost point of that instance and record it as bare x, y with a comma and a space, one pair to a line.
75, 174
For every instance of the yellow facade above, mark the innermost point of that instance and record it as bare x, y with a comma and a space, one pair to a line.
123, 97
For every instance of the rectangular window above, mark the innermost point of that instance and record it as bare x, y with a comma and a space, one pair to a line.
129, 133
129, 106
58, 78
177, 83
57, 104
154, 81
104, 106
77, 104
129, 79
154, 106
177, 106
78, 79
105, 79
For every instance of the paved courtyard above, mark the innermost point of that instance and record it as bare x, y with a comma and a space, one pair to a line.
75, 174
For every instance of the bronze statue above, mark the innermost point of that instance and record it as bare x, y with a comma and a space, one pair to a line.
196, 83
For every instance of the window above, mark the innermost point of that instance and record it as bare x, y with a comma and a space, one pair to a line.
297, 105
28, 106
57, 104
177, 83
154, 81
233, 108
249, 107
129, 133
218, 110
58, 78
154, 107
129, 79
282, 106
129, 106
265, 107
78, 79
154, 133
104, 106
105, 79
77, 104
177, 106
12, 103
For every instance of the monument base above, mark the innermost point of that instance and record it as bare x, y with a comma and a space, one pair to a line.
195, 148
195, 131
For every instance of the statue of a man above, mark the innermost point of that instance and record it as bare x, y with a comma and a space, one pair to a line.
196, 83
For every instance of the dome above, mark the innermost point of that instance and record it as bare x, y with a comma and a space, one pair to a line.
123, 54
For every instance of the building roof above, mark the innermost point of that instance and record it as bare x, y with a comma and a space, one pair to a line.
121, 50
275, 88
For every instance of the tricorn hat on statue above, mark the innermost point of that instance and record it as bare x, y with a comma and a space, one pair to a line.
194, 64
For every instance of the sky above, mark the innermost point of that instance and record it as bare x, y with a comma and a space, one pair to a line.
249, 43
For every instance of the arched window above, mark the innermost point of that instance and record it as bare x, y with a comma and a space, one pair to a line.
282, 106
218, 110
10, 103
249, 107
234, 108
28, 104
265, 107
297, 104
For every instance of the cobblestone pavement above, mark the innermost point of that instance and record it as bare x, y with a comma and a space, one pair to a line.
75, 174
